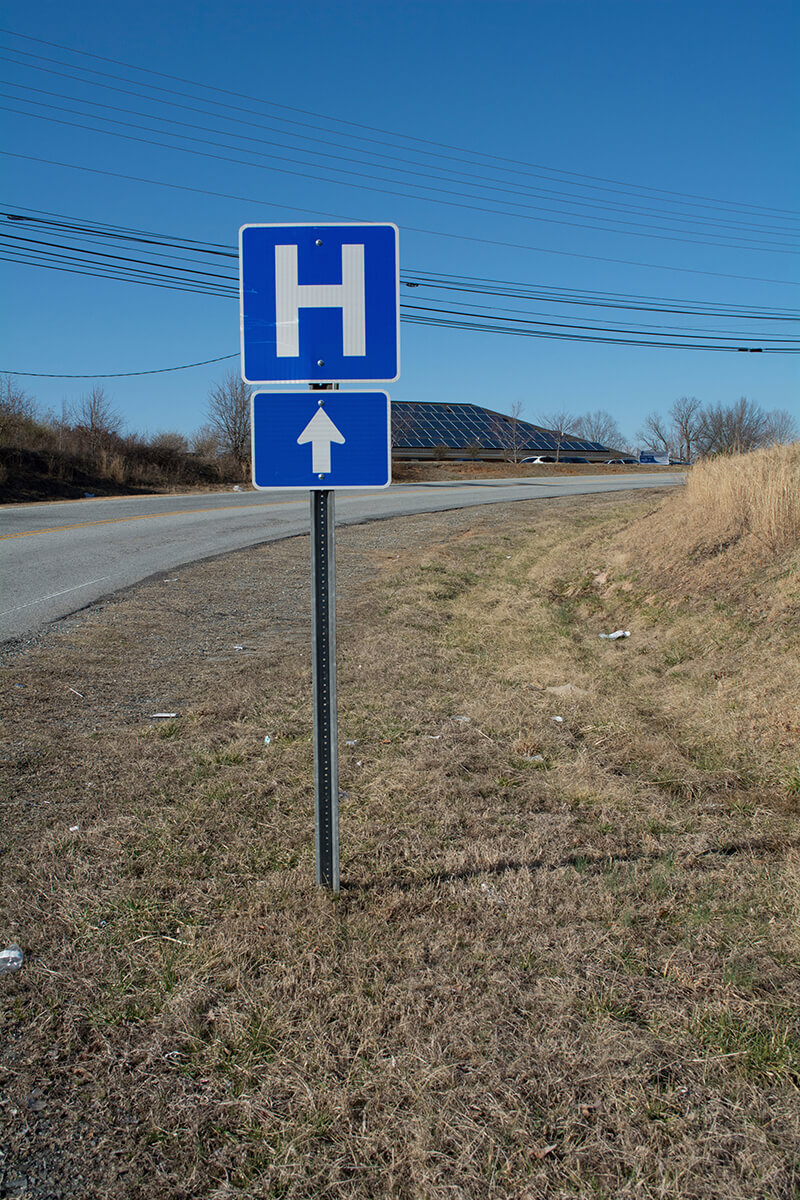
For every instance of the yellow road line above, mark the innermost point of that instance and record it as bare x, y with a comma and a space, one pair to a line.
186, 512
190, 512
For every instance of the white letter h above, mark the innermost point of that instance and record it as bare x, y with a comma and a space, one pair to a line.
291, 296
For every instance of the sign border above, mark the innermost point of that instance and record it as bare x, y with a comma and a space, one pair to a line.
319, 225
323, 485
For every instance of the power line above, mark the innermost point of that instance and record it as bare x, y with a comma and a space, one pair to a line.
529, 167
317, 214
138, 273
94, 234
127, 268
528, 327
444, 323
578, 200
89, 228
362, 185
119, 374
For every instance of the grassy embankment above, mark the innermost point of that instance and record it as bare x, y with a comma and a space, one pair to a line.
564, 962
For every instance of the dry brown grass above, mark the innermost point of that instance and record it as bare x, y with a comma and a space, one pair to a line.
742, 509
756, 494
564, 961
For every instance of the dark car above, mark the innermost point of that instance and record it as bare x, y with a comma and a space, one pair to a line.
572, 459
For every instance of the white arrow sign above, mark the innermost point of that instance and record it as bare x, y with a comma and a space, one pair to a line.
320, 431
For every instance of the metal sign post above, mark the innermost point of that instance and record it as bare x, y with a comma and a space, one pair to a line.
323, 648
323, 667
320, 304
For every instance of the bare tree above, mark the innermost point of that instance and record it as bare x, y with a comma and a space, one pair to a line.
517, 432
16, 407
733, 429
170, 441
95, 413
656, 435
599, 426
96, 420
686, 417
229, 418
205, 442
511, 433
781, 427
559, 422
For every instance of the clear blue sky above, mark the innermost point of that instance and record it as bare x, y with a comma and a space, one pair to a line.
638, 147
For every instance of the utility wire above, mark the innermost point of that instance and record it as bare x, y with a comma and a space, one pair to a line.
363, 184
120, 374
530, 168
461, 237
536, 326
19, 224
82, 227
576, 201
138, 272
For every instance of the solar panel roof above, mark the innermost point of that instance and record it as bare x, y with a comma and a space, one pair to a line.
463, 426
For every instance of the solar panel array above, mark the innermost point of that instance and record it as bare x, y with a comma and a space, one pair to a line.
417, 426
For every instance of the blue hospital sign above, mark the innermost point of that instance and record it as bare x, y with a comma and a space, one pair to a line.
319, 303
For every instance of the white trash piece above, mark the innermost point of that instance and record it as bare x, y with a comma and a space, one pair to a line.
612, 637
11, 959
558, 720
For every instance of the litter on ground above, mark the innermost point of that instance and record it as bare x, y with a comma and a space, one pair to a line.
11, 959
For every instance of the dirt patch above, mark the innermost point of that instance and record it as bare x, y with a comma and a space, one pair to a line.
564, 960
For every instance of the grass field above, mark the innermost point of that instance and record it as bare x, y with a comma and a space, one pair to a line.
564, 962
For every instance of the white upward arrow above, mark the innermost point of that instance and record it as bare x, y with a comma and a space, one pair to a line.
320, 431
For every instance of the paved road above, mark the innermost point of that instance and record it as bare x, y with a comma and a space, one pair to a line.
57, 558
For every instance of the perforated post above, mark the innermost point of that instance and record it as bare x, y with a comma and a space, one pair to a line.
326, 765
